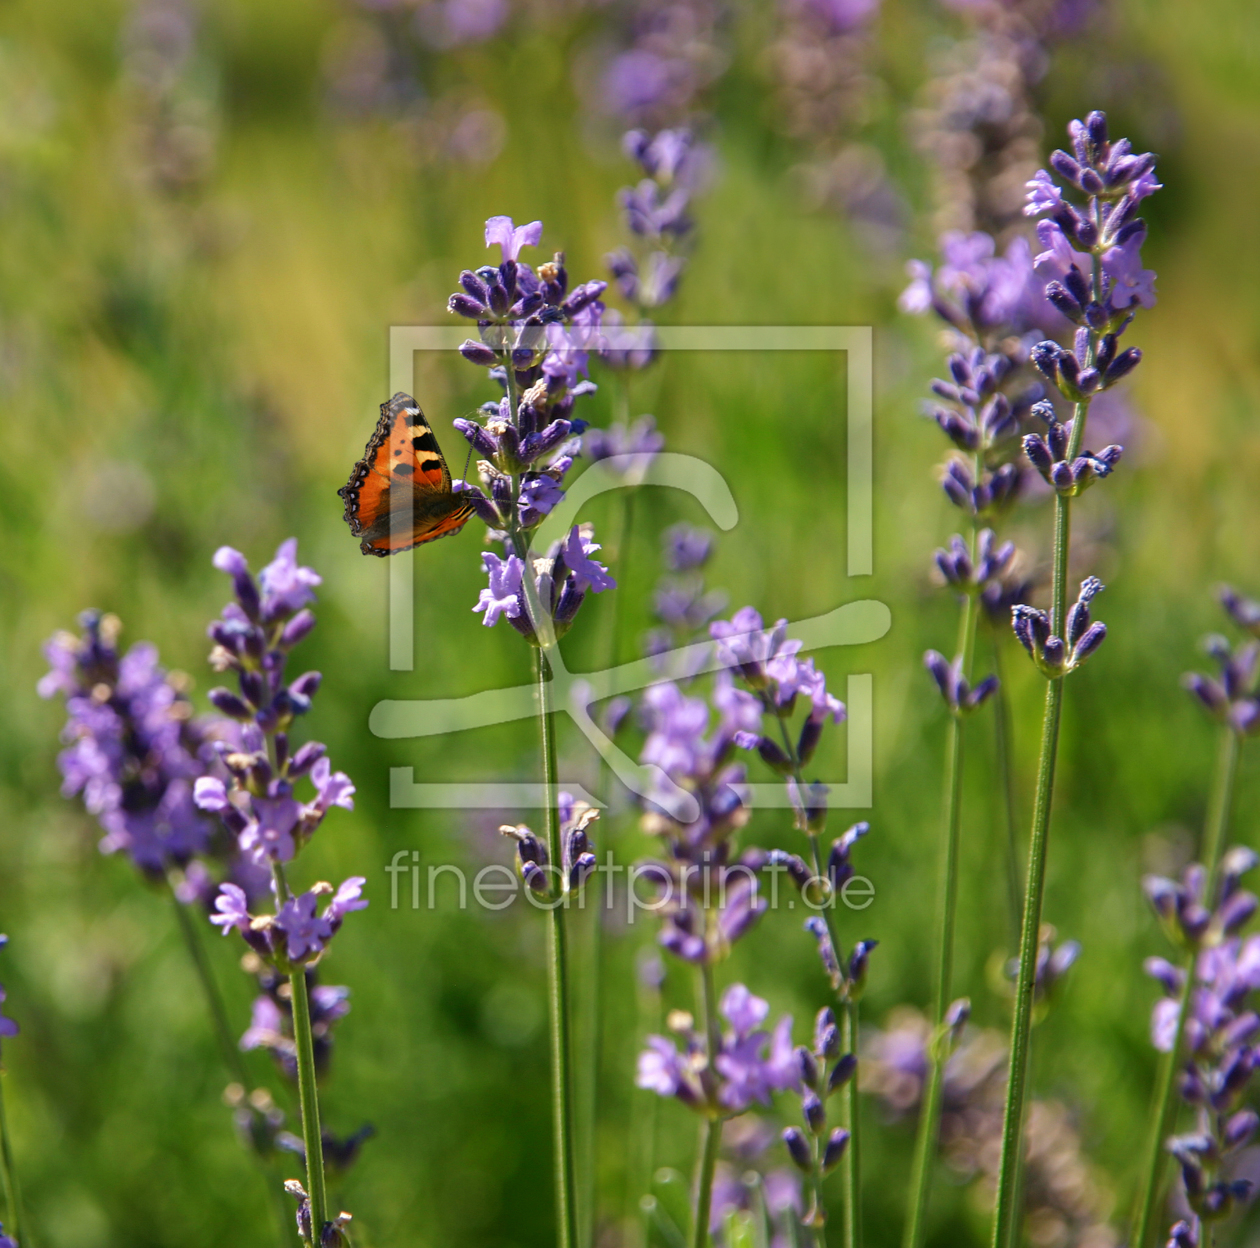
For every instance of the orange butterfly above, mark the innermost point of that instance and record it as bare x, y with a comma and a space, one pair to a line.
402, 482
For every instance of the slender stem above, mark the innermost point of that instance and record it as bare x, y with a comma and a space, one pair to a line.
12, 1192
851, 1223
1164, 1105
930, 1109
1006, 774
1219, 805
232, 1056
311, 1135
851, 1172
704, 1182
1016, 1087
228, 1048
1006, 1210
558, 983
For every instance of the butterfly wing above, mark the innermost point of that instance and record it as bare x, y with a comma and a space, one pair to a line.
399, 494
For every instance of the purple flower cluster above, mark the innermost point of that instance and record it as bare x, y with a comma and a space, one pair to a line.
824, 1068
1056, 656
253, 638
296, 934
748, 1066
1231, 697
271, 1020
681, 601
1092, 254
562, 578
768, 662
577, 856
535, 336
978, 124
133, 747
979, 293
700, 876
625, 449
1221, 1027
673, 53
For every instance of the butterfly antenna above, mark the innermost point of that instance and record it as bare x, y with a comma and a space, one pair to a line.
467, 461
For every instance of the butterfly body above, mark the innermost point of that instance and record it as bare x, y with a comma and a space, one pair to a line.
399, 494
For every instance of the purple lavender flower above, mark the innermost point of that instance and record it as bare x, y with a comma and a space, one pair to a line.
577, 853
747, 1068
673, 55
1056, 656
1220, 1029
1048, 455
767, 661
633, 447
978, 292
1104, 228
253, 638
1231, 698
133, 746
296, 934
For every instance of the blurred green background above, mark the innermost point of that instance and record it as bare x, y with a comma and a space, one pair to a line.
194, 302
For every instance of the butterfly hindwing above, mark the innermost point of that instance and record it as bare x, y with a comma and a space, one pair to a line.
399, 494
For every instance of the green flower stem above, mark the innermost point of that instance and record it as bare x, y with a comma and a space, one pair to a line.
713, 1124
1006, 1210
558, 982
1006, 774
12, 1192
704, 1182
311, 1135
1164, 1105
308, 1093
930, 1108
232, 1056
1007, 1204
233, 1059
851, 1171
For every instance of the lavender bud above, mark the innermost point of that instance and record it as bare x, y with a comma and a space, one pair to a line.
814, 1112
1122, 365
798, 1149
857, 966
581, 871
1065, 166
798, 872
836, 1144
306, 757
809, 1066
225, 701
842, 1072
462, 305
478, 353
1094, 636
535, 877
1170, 978
1062, 299
1240, 1128
1045, 358
297, 629
1235, 912
1052, 653
826, 1034
306, 686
